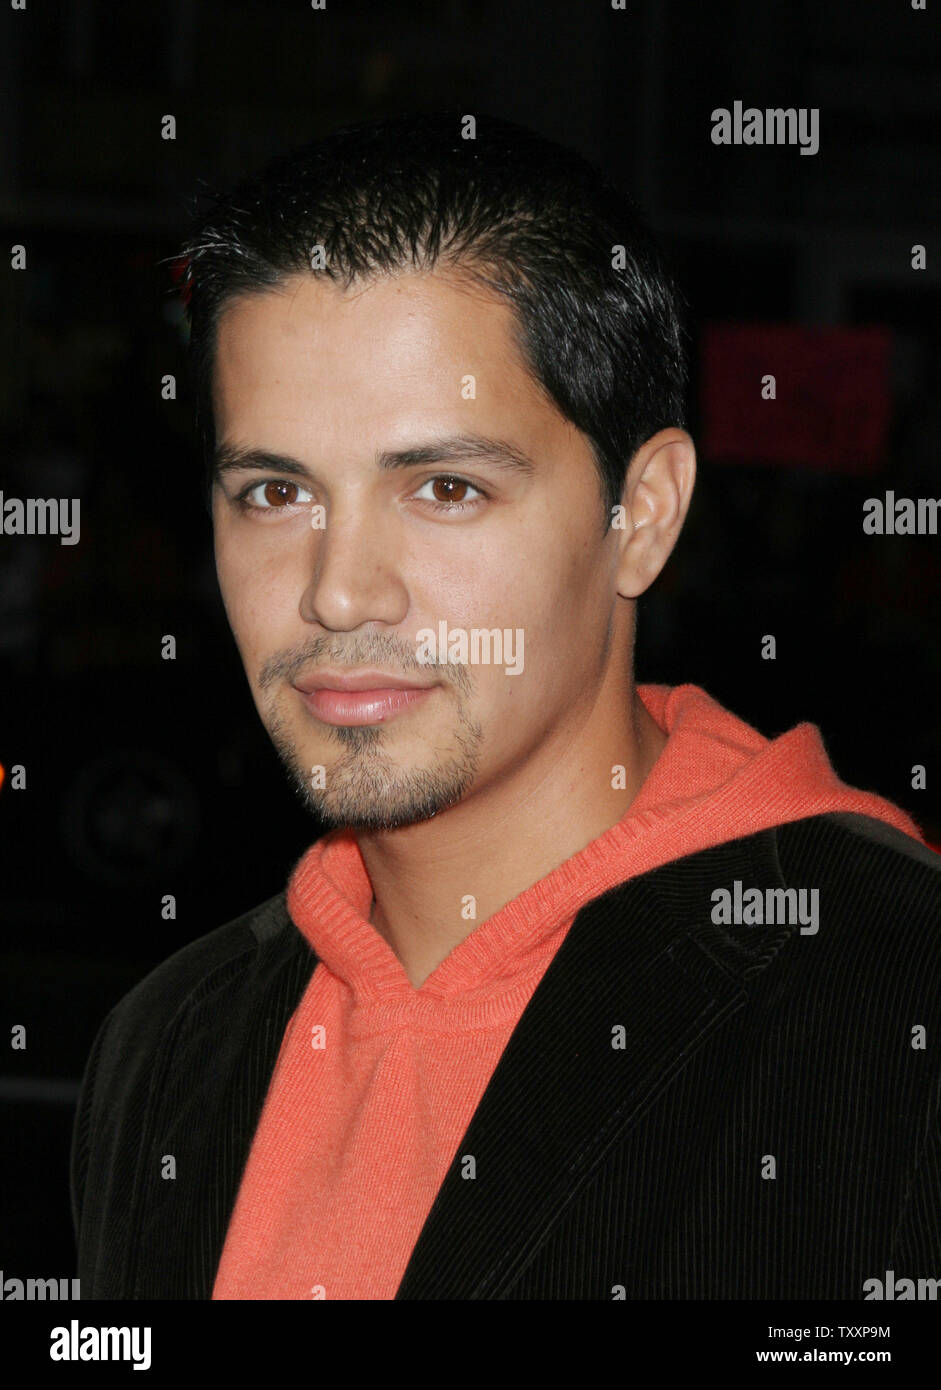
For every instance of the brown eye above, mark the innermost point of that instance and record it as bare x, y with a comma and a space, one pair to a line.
280, 494
450, 494
449, 489
273, 495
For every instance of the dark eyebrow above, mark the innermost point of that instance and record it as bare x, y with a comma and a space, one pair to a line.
229, 458
460, 448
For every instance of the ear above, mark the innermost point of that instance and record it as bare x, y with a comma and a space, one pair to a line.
656, 497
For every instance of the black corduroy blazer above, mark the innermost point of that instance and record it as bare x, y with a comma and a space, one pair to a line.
685, 1110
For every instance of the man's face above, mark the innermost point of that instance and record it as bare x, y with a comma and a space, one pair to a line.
336, 570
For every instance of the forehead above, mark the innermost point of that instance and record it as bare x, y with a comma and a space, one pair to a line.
392, 345
309, 363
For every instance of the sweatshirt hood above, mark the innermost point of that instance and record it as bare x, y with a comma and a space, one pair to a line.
724, 780
717, 779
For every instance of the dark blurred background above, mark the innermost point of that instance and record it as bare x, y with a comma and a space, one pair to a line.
148, 777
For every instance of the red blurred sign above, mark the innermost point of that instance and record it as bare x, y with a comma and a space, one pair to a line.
831, 406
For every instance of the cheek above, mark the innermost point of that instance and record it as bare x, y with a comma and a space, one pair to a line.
519, 591
258, 598
231, 572
540, 581
558, 594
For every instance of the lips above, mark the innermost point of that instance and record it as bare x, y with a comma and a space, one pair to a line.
368, 697
361, 680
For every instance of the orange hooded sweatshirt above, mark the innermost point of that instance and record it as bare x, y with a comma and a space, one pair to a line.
362, 1120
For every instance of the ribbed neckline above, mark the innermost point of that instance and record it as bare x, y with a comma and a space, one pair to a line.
715, 780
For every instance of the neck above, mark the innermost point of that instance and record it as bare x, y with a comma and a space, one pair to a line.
436, 881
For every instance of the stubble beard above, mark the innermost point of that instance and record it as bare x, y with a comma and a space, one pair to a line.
365, 789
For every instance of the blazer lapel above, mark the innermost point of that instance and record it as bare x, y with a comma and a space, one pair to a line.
644, 958
206, 1116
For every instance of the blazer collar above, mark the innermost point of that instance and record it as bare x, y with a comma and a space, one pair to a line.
644, 959
643, 965
210, 1081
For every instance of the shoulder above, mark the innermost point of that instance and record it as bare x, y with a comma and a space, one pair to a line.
219, 975
870, 862
196, 968
878, 897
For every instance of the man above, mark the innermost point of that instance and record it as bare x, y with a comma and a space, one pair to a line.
591, 991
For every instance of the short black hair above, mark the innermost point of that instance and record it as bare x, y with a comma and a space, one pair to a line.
598, 313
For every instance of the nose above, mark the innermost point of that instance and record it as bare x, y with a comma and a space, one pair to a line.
356, 576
